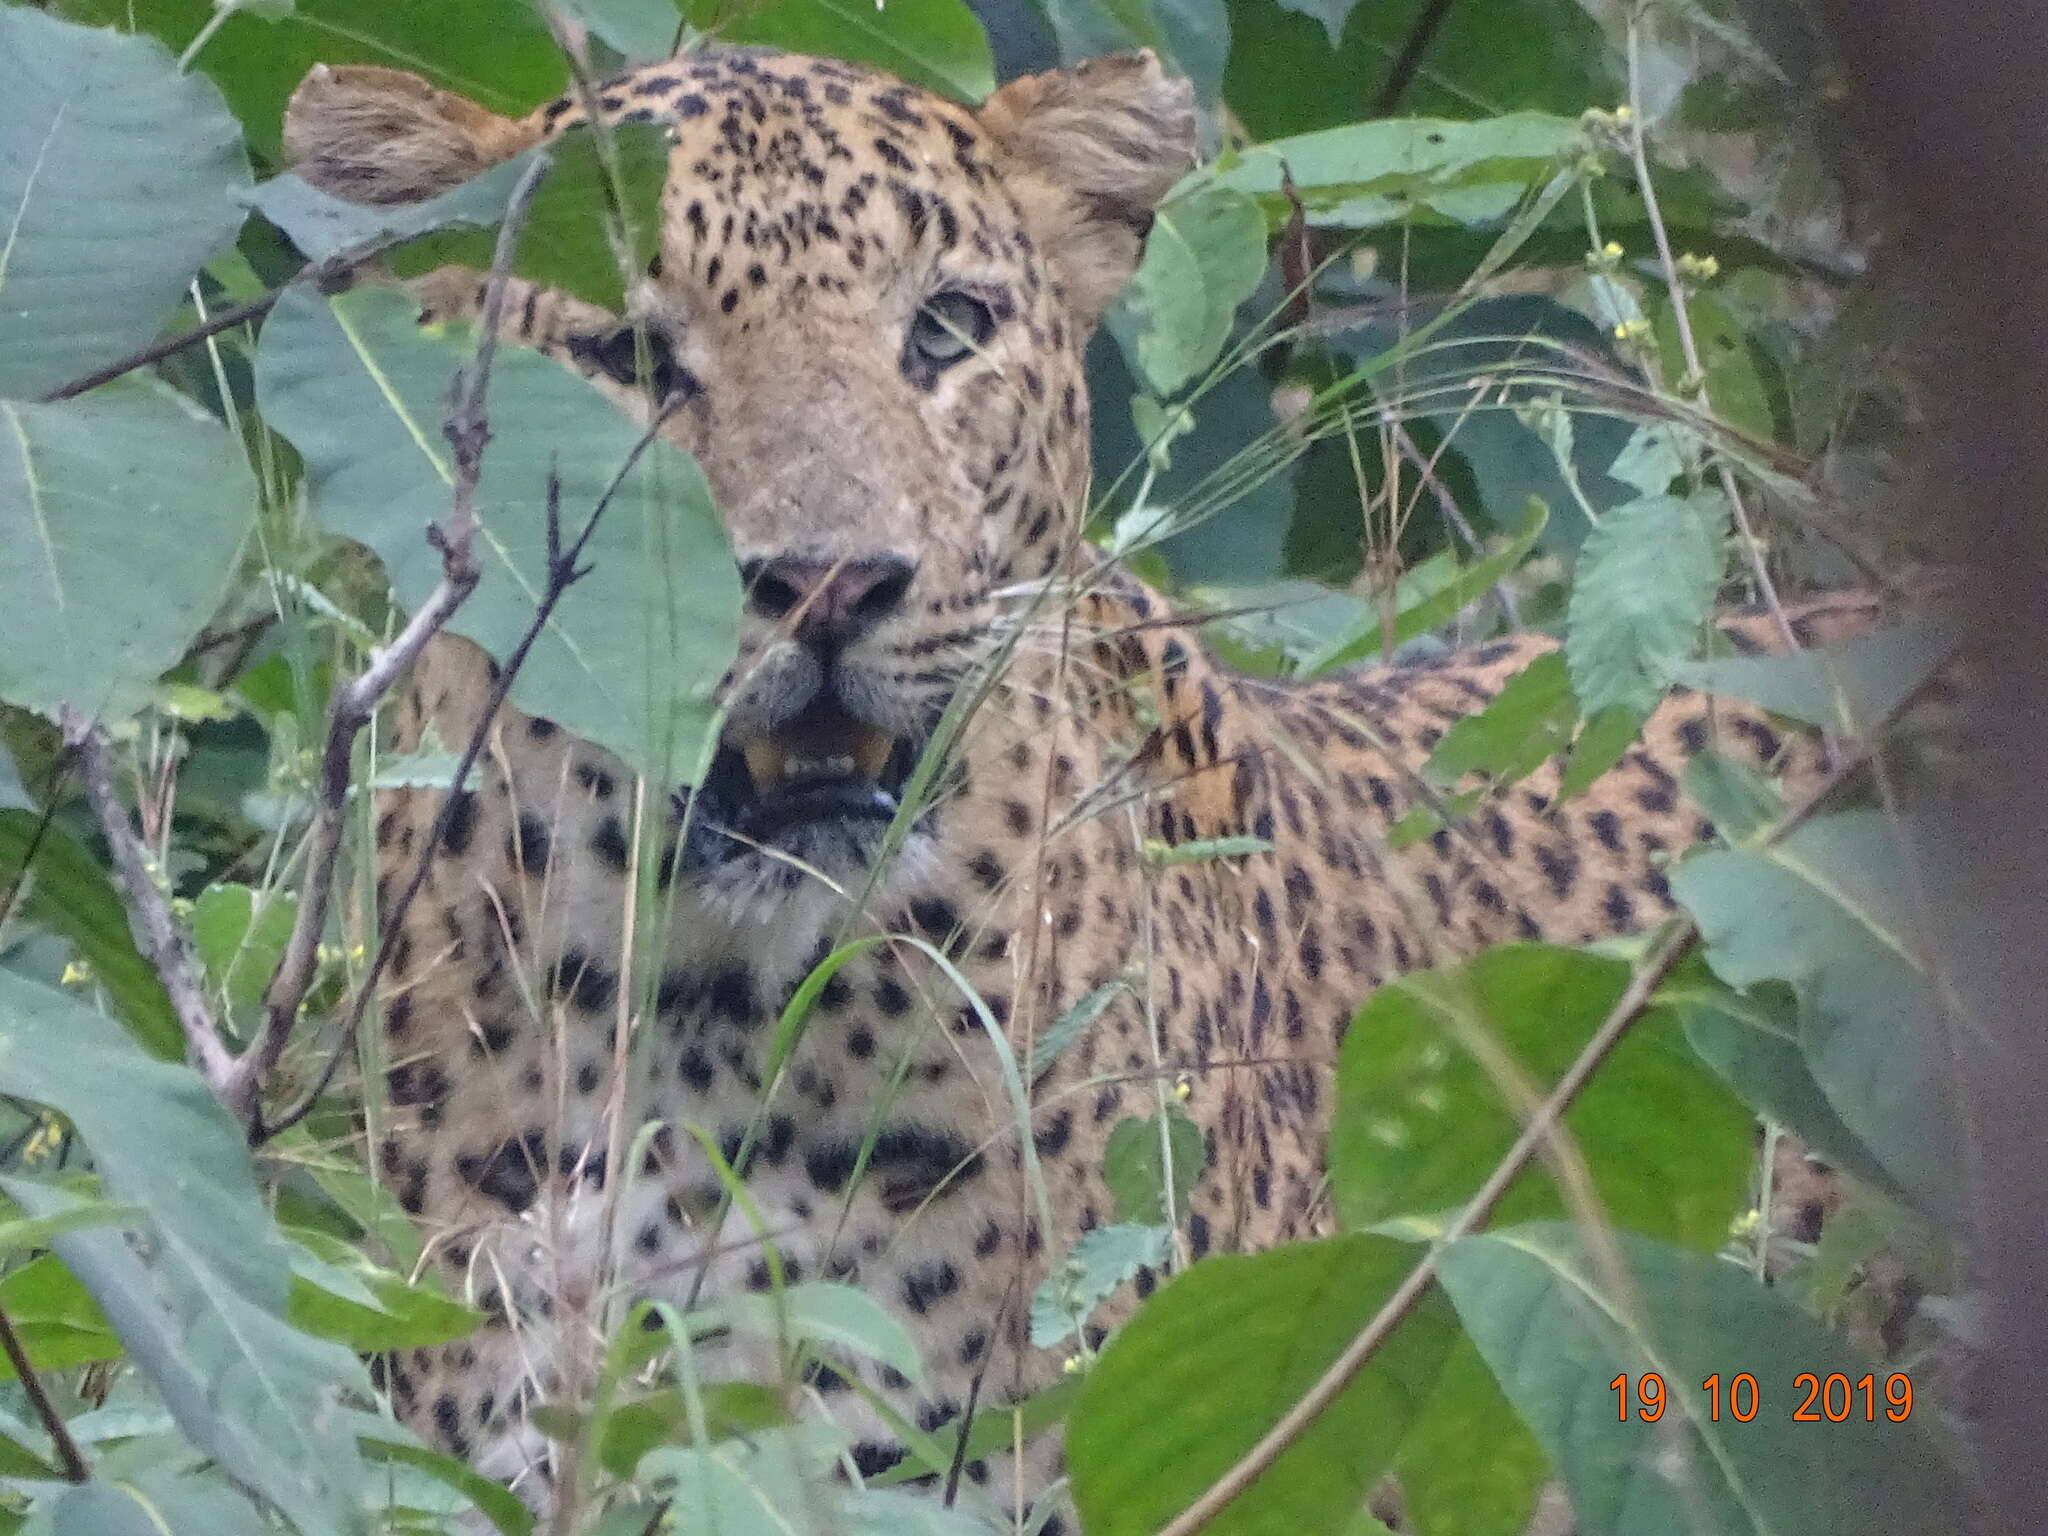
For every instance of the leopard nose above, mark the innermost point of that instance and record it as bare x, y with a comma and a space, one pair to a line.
827, 603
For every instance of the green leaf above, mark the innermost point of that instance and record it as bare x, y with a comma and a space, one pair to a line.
564, 242
1423, 1115
1731, 794
1848, 687
1751, 1039
638, 29
636, 648
385, 1442
322, 225
934, 43
636, 1424
1825, 908
1382, 172
204, 1320
240, 945
67, 892
121, 513
60, 1324
118, 178
157, 1503
1441, 605
1102, 1259
1070, 1026
1204, 256
1203, 849
1642, 596
1601, 743
1556, 1331
824, 1313
1469, 1467
1134, 1166
338, 1294
1528, 721
1152, 1430
1735, 383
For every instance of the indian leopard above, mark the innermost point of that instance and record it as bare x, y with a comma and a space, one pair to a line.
866, 322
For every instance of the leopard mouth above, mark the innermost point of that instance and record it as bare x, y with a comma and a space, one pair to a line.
820, 766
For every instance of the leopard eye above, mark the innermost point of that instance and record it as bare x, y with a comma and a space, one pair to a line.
947, 328
621, 353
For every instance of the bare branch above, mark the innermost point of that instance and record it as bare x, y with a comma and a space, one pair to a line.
468, 432
158, 934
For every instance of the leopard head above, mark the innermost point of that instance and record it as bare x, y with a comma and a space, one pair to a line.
866, 322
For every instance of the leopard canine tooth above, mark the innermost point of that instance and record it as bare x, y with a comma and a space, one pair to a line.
766, 760
871, 749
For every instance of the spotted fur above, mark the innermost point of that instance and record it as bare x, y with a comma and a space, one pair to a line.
811, 210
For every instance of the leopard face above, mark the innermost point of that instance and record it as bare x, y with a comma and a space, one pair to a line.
865, 322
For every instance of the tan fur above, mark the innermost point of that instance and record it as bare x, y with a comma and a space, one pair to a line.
1106, 736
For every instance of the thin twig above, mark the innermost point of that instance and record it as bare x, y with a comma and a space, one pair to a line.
330, 273
157, 933
1409, 61
563, 571
1639, 155
468, 433
73, 1461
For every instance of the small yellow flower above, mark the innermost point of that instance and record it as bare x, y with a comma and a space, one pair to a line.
1073, 1365
77, 974
1612, 250
1624, 114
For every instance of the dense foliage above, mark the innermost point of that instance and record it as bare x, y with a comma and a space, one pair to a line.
1526, 313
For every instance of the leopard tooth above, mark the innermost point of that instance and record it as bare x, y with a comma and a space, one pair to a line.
871, 752
766, 761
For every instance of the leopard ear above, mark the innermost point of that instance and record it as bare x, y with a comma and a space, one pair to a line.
372, 135
1093, 148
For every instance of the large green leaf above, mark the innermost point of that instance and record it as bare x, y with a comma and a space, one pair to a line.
155, 1503
1556, 1331
1752, 1040
1211, 1363
66, 891
121, 513
933, 43
633, 653
1826, 908
1469, 1467
1365, 174
1421, 1119
204, 1319
1643, 594
118, 178
1849, 687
